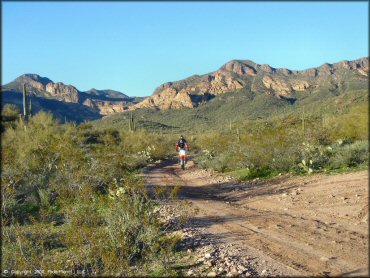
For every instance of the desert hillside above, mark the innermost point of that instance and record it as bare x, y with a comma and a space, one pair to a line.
262, 79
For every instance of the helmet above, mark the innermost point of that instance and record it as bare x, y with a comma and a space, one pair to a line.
181, 137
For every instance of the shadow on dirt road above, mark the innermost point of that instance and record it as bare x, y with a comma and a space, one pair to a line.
315, 225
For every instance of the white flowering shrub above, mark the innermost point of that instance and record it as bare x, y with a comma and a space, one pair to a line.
116, 190
209, 154
146, 154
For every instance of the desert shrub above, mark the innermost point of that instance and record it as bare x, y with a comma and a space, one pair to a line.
32, 248
269, 148
30, 160
349, 155
353, 125
10, 112
103, 234
47, 154
116, 230
318, 135
313, 157
259, 148
61, 176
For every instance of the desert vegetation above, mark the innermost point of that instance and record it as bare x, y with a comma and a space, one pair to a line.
71, 200
319, 133
295, 144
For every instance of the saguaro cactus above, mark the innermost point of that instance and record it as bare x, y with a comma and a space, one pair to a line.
132, 123
24, 101
303, 124
30, 108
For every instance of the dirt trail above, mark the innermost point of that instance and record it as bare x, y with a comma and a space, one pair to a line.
314, 225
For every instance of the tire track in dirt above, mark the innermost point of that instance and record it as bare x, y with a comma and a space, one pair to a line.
292, 224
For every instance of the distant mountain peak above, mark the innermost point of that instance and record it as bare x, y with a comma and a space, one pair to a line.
240, 67
34, 77
107, 92
101, 102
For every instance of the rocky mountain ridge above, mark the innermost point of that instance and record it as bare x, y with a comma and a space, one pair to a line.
104, 102
245, 74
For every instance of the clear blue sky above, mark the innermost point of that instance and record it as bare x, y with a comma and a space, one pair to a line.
135, 47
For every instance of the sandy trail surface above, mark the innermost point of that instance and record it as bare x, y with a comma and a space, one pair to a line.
290, 226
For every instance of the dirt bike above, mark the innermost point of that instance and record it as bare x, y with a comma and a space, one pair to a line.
182, 159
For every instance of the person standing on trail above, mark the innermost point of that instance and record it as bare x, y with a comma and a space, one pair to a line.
182, 144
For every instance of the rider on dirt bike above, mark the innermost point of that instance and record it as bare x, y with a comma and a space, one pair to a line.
182, 145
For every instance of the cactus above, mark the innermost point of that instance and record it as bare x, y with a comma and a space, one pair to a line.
132, 123
23, 118
24, 101
238, 134
30, 108
230, 124
303, 126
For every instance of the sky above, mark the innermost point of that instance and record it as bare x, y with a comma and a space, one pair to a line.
134, 47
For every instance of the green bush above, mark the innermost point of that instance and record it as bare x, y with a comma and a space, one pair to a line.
269, 148
116, 230
58, 175
354, 124
349, 155
10, 112
33, 247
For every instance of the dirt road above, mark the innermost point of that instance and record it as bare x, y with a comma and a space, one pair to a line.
314, 225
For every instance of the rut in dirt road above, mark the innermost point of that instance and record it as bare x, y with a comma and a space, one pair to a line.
314, 225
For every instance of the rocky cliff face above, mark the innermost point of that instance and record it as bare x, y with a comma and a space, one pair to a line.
169, 98
62, 92
107, 107
104, 102
246, 74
